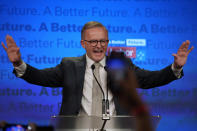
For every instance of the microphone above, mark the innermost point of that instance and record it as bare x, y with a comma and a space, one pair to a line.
93, 67
106, 68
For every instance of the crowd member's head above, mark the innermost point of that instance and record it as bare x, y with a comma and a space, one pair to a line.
94, 39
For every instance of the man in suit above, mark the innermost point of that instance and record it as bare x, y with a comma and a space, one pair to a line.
75, 74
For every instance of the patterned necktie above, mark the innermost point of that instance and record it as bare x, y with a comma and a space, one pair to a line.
96, 93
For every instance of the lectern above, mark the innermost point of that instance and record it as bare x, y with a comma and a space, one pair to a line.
94, 123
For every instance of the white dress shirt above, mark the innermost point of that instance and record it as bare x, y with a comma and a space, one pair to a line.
88, 85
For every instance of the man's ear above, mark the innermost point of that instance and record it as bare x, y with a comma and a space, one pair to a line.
83, 44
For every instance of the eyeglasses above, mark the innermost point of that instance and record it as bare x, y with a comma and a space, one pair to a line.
95, 42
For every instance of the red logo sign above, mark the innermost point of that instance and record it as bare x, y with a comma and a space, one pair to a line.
129, 51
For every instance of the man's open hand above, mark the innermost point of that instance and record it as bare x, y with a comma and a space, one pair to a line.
180, 57
12, 51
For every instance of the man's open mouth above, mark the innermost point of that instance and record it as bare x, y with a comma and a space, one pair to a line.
98, 51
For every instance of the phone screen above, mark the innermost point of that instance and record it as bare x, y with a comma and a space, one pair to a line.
116, 68
15, 128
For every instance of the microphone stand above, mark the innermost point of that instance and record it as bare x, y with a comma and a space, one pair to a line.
106, 115
105, 103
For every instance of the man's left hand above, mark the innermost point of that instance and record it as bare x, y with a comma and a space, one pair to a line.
180, 57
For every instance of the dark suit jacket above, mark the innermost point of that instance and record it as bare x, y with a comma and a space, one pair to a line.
70, 73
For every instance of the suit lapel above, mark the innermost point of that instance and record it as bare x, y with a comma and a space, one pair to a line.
80, 75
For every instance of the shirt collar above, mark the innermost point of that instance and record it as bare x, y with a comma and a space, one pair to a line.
90, 62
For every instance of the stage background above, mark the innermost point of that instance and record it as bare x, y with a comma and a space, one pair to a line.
48, 30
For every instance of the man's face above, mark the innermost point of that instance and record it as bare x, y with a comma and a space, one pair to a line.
96, 53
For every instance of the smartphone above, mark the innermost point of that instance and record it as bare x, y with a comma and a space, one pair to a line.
18, 127
15, 127
117, 70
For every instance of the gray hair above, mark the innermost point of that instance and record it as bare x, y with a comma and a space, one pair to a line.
91, 24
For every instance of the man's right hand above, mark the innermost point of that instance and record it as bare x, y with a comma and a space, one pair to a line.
13, 51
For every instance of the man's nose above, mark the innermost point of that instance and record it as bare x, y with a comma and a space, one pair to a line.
98, 44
